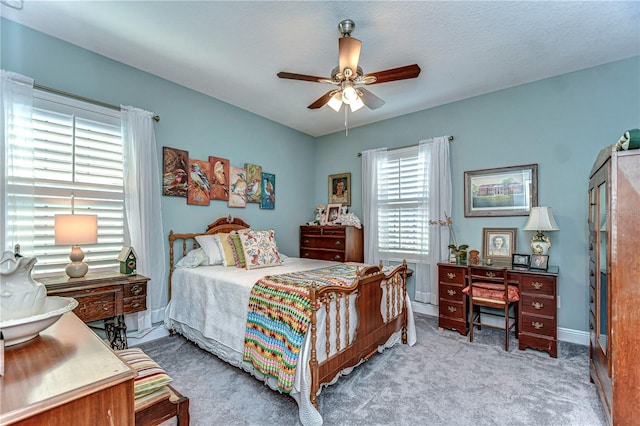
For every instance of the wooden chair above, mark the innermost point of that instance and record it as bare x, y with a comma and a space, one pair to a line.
160, 406
488, 287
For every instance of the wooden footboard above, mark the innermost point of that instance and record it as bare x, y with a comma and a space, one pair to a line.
373, 289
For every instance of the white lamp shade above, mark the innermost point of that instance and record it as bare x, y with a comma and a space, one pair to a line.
541, 219
75, 229
356, 104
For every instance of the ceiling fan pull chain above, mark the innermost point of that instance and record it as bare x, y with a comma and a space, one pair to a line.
346, 120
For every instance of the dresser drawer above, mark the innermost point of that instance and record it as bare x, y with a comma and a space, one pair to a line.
324, 242
537, 285
310, 230
135, 289
97, 306
535, 324
454, 310
452, 275
322, 255
135, 304
538, 304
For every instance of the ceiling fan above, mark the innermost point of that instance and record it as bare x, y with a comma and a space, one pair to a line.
350, 78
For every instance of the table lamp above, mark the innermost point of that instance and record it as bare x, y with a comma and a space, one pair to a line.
541, 219
76, 229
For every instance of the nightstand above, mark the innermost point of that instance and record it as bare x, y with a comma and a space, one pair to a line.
103, 296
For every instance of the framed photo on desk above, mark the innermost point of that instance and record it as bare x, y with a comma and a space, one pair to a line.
520, 260
539, 261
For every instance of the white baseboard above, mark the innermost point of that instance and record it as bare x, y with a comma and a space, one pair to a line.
137, 338
564, 334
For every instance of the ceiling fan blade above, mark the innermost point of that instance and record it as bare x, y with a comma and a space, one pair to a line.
349, 53
369, 99
312, 78
402, 73
322, 101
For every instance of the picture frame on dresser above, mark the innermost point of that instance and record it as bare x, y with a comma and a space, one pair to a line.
331, 214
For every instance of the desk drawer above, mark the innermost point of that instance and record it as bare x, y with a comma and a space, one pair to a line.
539, 305
97, 306
135, 304
135, 289
451, 292
453, 310
535, 324
537, 285
452, 275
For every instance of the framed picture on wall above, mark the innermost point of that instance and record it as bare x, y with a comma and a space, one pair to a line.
340, 189
175, 164
499, 243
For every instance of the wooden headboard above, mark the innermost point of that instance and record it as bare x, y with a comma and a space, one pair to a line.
221, 225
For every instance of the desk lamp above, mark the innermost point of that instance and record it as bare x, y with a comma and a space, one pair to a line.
76, 229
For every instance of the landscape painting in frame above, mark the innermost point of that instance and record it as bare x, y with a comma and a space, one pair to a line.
506, 191
268, 201
237, 187
199, 178
219, 178
174, 172
254, 183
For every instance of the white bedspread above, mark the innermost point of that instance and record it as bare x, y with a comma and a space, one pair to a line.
209, 306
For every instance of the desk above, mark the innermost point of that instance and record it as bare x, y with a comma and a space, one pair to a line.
537, 315
66, 376
103, 296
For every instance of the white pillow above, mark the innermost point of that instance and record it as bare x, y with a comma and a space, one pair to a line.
210, 244
193, 259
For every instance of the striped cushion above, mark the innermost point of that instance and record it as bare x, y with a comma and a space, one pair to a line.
150, 377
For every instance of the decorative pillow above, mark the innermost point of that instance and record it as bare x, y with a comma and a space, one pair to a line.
150, 377
193, 259
226, 250
211, 249
236, 247
260, 249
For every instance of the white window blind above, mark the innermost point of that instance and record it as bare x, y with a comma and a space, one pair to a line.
78, 155
402, 201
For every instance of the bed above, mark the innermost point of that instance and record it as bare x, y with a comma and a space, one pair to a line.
347, 324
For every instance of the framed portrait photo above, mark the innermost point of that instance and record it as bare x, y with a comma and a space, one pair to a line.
539, 261
340, 189
520, 260
499, 243
331, 214
506, 191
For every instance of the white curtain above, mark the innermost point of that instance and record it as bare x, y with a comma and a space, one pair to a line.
438, 170
371, 160
16, 157
142, 190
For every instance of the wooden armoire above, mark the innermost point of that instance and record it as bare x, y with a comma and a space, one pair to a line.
614, 283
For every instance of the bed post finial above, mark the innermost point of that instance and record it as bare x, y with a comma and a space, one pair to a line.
229, 218
381, 266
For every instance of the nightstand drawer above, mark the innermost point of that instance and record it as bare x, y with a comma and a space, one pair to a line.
452, 275
537, 285
97, 306
135, 304
539, 305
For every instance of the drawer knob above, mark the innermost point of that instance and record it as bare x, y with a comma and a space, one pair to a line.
305, 242
135, 305
451, 275
136, 289
451, 292
490, 274
306, 255
338, 244
105, 307
537, 325
537, 285
537, 305
452, 308
338, 257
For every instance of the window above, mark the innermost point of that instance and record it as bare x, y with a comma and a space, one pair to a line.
77, 163
402, 201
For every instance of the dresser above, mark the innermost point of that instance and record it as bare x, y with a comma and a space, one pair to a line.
64, 377
537, 310
103, 296
339, 243
614, 286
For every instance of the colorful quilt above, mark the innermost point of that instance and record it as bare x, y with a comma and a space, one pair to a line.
278, 318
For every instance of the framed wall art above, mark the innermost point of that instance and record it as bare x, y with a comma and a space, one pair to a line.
254, 183
199, 178
237, 187
499, 243
340, 189
268, 201
219, 178
506, 191
175, 164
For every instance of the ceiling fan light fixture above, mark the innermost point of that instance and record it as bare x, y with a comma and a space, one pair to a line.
335, 103
356, 104
349, 94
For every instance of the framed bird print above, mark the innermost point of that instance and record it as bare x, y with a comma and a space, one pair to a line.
268, 200
219, 178
199, 178
174, 172
237, 187
254, 183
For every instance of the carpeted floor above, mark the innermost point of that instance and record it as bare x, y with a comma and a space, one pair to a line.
442, 380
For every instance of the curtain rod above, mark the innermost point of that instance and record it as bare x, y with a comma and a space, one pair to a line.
407, 146
82, 98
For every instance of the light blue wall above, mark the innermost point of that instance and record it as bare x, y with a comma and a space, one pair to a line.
189, 120
560, 123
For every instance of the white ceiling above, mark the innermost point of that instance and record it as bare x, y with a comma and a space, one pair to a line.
232, 50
